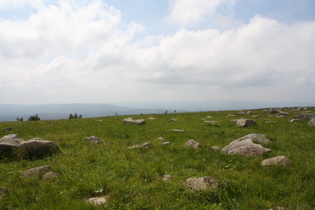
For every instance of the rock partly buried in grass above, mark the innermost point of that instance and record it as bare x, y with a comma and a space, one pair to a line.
277, 161
200, 184
257, 138
192, 143
213, 123
100, 200
245, 147
304, 116
215, 148
13, 147
245, 122
129, 120
312, 122
37, 171
167, 143
166, 177
3, 191
176, 131
145, 145
50, 175
93, 139
282, 114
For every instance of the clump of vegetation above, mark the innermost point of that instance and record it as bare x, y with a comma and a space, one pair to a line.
133, 178
33, 118
75, 116
19, 119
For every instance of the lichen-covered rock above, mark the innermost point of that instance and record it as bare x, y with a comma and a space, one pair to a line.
100, 200
312, 122
93, 139
257, 138
277, 161
199, 184
193, 143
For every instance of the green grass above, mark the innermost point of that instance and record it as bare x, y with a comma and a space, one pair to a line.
132, 178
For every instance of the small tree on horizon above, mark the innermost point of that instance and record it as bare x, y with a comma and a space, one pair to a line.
34, 118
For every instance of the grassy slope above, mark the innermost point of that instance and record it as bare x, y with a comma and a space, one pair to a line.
132, 177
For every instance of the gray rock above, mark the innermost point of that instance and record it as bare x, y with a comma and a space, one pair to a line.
245, 122
50, 175
193, 143
177, 131
312, 122
277, 161
160, 138
38, 148
166, 143
100, 200
305, 116
244, 148
166, 177
37, 171
94, 139
257, 138
282, 114
145, 145
129, 120
200, 184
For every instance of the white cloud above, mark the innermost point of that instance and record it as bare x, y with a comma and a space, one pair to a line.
192, 12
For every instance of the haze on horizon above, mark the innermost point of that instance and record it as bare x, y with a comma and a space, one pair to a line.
156, 52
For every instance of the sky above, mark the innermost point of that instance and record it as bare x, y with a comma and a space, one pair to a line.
156, 52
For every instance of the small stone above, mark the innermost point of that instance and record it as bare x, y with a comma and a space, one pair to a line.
215, 148
50, 175
277, 161
101, 200
199, 184
3, 191
94, 139
166, 177
145, 145
129, 120
193, 143
160, 138
177, 130
166, 143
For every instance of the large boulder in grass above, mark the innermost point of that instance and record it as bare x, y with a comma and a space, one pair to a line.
304, 116
245, 122
245, 146
129, 120
11, 147
312, 122
200, 184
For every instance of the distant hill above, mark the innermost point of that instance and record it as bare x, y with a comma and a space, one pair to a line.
9, 112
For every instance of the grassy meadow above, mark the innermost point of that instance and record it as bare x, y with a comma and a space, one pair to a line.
132, 178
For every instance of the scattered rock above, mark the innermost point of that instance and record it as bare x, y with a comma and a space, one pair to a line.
160, 138
199, 184
93, 139
166, 143
215, 148
230, 115
294, 120
241, 113
193, 143
50, 175
270, 121
257, 138
282, 114
129, 120
174, 120
37, 171
3, 191
277, 161
100, 200
151, 118
272, 111
213, 123
255, 116
312, 122
249, 112
145, 145
245, 122
177, 130
208, 117
166, 177
244, 147
304, 116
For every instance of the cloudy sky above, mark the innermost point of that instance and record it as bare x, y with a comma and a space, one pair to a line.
146, 51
